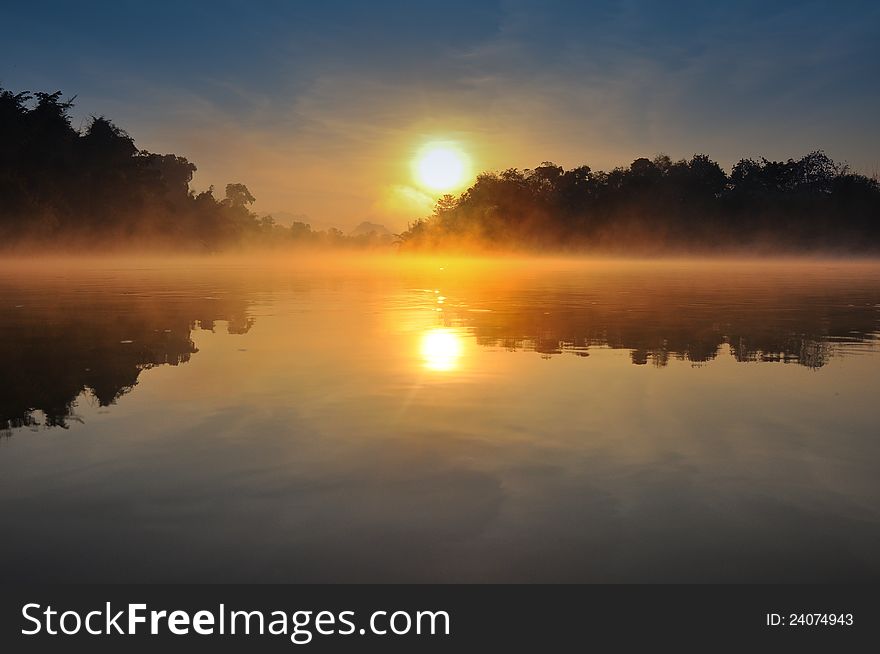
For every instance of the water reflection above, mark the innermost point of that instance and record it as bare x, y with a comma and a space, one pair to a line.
776, 315
62, 340
335, 426
59, 347
441, 349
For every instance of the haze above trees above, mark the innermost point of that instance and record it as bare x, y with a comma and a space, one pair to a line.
63, 187
811, 203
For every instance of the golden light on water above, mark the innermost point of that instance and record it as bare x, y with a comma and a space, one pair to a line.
441, 349
442, 166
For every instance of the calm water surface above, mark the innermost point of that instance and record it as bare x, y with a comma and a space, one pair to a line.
440, 421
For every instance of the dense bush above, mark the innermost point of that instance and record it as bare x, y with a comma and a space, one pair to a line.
659, 205
61, 187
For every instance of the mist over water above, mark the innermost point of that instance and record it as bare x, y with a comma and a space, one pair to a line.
339, 418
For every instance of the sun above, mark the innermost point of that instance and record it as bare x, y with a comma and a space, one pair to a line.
441, 166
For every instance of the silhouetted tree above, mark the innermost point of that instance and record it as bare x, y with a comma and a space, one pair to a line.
654, 204
238, 196
93, 186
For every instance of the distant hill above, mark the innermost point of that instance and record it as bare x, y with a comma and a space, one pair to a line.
367, 227
287, 218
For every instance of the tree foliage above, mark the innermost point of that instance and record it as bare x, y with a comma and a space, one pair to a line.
63, 186
94, 186
659, 204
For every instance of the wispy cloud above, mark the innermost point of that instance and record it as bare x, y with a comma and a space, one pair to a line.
319, 110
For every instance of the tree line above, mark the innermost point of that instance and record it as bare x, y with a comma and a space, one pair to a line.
811, 203
61, 185
92, 186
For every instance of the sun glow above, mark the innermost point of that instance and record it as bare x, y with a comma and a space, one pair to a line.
441, 349
441, 167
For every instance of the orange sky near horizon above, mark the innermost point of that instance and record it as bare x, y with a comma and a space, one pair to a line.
320, 109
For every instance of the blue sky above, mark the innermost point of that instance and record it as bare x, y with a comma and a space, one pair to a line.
293, 98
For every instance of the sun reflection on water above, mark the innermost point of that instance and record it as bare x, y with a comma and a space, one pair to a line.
441, 349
